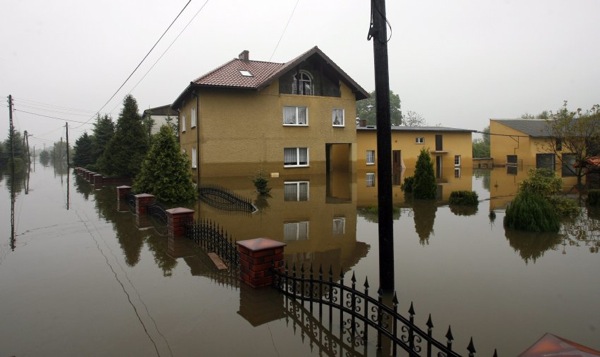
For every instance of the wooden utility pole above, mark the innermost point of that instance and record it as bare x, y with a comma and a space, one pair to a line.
67, 137
378, 33
11, 132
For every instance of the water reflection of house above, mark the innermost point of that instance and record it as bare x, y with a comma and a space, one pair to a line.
315, 215
293, 118
451, 180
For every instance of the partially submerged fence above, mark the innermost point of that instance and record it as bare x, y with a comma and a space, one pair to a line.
361, 317
212, 238
224, 199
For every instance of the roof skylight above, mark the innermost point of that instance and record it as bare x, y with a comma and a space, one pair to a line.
246, 73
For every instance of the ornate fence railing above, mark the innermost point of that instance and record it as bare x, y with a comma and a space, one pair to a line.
223, 199
212, 238
130, 199
158, 212
361, 317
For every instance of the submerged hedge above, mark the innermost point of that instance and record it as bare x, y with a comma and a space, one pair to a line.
464, 198
531, 212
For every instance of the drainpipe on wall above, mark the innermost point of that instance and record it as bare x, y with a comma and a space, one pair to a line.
197, 140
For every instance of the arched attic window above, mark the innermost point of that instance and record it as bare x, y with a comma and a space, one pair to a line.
303, 83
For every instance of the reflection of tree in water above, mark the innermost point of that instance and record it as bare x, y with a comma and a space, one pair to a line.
424, 216
83, 187
583, 230
485, 175
16, 182
371, 214
130, 237
461, 210
532, 245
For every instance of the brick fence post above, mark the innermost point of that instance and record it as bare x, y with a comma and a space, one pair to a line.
177, 218
98, 181
142, 201
257, 257
122, 192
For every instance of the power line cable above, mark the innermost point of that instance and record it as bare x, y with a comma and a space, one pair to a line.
284, 29
142, 61
50, 117
169, 47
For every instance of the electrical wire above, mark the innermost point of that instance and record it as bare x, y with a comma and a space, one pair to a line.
50, 117
169, 47
142, 61
372, 33
284, 29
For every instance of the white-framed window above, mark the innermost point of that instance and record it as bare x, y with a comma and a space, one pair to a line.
370, 157
295, 190
302, 83
457, 172
339, 225
295, 157
295, 116
337, 117
370, 179
194, 118
295, 230
419, 140
456, 160
182, 125
194, 158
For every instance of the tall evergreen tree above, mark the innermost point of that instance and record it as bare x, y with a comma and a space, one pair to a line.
166, 172
424, 186
83, 151
104, 130
128, 147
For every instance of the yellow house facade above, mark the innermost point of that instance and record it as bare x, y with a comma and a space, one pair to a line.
280, 119
527, 143
450, 148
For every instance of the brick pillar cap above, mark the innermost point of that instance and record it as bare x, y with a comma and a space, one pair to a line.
179, 210
124, 186
257, 244
142, 195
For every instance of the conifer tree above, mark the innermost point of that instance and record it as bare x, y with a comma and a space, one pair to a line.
104, 130
424, 186
165, 171
83, 151
127, 148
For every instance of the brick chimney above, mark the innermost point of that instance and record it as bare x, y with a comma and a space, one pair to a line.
244, 56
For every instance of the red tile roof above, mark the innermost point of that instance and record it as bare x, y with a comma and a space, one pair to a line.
229, 75
262, 74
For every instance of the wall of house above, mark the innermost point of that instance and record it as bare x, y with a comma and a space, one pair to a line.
242, 131
453, 144
506, 141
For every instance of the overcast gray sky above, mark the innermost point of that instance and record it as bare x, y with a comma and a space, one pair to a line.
458, 63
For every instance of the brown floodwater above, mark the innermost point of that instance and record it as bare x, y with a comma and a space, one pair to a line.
80, 276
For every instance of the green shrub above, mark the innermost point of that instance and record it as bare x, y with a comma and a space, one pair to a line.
531, 212
464, 198
424, 186
542, 182
593, 197
408, 184
564, 207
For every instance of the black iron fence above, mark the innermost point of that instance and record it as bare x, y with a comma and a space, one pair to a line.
130, 199
363, 319
223, 199
212, 238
